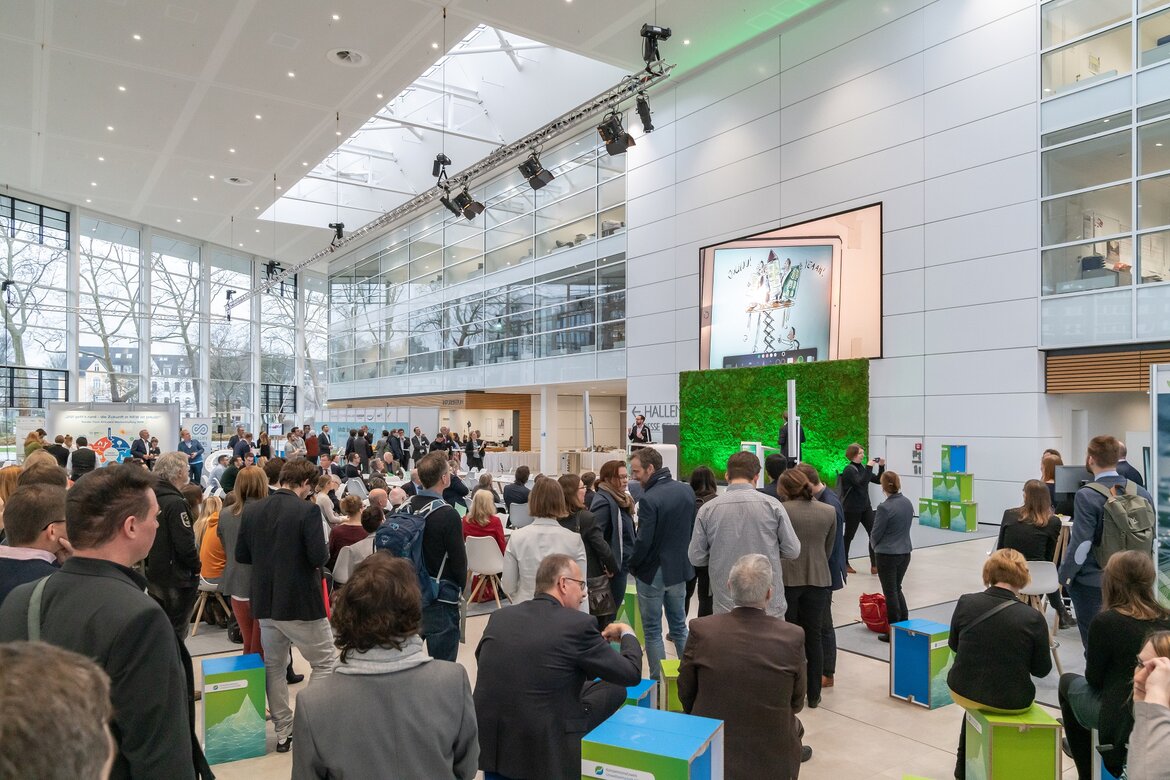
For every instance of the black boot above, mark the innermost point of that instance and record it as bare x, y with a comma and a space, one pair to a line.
292, 677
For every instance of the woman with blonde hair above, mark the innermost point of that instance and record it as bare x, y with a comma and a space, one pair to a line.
324, 497
251, 485
1033, 530
211, 554
482, 520
8, 477
1100, 699
995, 630
534, 542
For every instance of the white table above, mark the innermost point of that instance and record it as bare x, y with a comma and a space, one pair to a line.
508, 462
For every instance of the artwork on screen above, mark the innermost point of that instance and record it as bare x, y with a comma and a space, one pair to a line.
799, 294
772, 303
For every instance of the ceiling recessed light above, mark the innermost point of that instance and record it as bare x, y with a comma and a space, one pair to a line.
110, 128
194, 198
257, 230
686, 41
93, 184
379, 96
177, 219
435, 45
121, 88
337, 132
103, 159
211, 175
241, 243
259, 117
137, 37
337, 17
89, 200
1157, 144
279, 187
292, 74
305, 164
255, 208
231, 151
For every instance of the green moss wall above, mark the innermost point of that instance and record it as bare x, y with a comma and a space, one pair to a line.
720, 408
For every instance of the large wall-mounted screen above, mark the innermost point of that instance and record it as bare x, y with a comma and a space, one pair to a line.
800, 294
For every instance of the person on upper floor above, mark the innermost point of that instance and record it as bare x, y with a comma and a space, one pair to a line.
855, 481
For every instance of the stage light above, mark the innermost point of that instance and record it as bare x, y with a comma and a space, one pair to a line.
446, 201
440, 165
534, 173
468, 206
642, 105
616, 139
272, 268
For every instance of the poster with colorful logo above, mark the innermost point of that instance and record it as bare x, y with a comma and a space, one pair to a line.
110, 428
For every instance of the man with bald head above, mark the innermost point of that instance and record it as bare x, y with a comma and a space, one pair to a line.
397, 498
379, 499
1126, 469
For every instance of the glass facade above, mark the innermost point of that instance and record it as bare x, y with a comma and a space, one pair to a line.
443, 293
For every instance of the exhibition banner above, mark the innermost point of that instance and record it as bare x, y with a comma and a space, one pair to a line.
1159, 477
200, 428
111, 427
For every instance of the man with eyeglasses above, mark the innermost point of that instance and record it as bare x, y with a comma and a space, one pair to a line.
34, 517
537, 690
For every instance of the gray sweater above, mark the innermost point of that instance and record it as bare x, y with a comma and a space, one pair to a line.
1149, 742
388, 714
739, 522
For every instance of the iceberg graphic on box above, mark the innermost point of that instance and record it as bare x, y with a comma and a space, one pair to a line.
237, 736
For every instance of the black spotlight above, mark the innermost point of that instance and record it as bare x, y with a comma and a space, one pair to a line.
534, 173
466, 205
441, 162
446, 201
272, 268
616, 139
642, 105
651, 35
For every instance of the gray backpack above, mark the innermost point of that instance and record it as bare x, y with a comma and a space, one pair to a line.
1127, 523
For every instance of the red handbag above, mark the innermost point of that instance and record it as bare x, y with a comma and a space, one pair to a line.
873, 612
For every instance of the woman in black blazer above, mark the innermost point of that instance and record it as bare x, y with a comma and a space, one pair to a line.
1032, 530
855, 482
995, 630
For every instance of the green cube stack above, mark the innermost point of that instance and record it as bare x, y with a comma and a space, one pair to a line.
950, 504
669, 689
629, 613
1013, 747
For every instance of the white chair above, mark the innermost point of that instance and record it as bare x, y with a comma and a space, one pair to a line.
349, 557
485, 559
1044, 581
519, 516
355, 487
207, 589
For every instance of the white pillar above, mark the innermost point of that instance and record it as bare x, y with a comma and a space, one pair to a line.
587, 419
549, 460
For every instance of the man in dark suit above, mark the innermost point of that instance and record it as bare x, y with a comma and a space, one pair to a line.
419, 445
733, 656
325, 441
782, 439
1124, 467
235, 439
774, 465
329, 467
84, 459
58, 450
532, 715
281, 537
639, 432
140, 448
396, 453
358, 443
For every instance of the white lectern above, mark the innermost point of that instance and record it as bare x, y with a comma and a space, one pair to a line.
761, 451
669, 453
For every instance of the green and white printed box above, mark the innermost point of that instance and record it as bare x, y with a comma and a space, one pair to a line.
1013, 747
963, 516
643, 694
936, 514
233, 708
668, 691
637, 743
920, 660
952, 486
629, 613
954, 457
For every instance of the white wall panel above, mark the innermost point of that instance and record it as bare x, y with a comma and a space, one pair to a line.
687, 355
895, 416
883, 129
649, 147
946, 19
896, 377
992, 371
989, 46
986, 280
686, 322
646, 239
686, 290
747, 175
650, 178
651, 208
860, 178
648, 299
650, 359
720, 116
988, 326
657, 328
984, 94
1008, 134
716, 153
1001, 414
903, 249
993, 459
732, 217
903, 292
902, 335
984, 233
838, 25
888, 86
728, 77
651, 268
895, 41
990, 186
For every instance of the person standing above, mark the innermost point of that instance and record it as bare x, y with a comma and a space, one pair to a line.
892, 547
1125, 468
807, 578
639, 432
251, 485
666, 516
294, 445
420, 445
325, 441
782, 439
837, 566
382, 447
112, 518
601, 563
264, 446
243, 448
235, 439
732, 657
59, 451
312, 446
83, 460
855, 482
475, 451
281, 538
193, 449
35, 536
612, 508
534, 542
140, 448
739, 522
398, 457
1081, 570
172, 567
703, 483
532, 715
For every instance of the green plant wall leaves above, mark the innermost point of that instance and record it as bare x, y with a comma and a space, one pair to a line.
720, 408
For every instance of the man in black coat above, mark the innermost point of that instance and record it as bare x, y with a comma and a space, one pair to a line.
58, 450
517, 492
84, 460
395, 446
140, 448
1124, 467
419, 445
660, 563
532, 715
282, 538
112, 518
172, 567
325, 441
443, 552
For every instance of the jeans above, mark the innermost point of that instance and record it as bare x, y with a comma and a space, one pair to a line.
314, 639
829, 640
652, 599
864, 518
806, 608
196, 473
440, 629
1086, 601
891, 571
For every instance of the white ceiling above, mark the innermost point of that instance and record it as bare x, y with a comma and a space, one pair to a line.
203, 69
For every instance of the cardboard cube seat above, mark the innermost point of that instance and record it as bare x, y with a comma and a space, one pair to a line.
644, 694
919, 662
1013, 747
233, 708
640, 742
629, 613
668, 691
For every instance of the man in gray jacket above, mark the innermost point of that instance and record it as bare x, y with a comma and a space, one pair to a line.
739, 522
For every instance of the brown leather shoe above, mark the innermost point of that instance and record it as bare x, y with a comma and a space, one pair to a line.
849, 569
826, 681
873, 570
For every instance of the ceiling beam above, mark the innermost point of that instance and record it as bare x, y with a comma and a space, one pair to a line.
404, 123
352, 183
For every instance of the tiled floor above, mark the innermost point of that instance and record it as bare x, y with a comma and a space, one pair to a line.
858, 731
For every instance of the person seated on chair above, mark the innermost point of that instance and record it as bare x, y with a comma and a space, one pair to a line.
481, 520
353, 466
350, 531
995, 630
485, 483
517, 492
1033, 530
1100, 699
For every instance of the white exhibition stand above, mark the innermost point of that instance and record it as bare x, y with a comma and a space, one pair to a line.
761, 451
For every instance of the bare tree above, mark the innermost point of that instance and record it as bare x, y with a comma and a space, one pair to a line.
35, 270
179, 322
109, 290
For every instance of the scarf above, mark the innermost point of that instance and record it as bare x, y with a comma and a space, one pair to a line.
386, 660
623, 499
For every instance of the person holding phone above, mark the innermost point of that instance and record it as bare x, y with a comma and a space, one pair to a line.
855, 482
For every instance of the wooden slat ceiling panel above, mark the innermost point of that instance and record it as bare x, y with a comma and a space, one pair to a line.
1102, 372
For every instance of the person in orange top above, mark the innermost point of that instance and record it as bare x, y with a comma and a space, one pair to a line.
482, 521
211, 555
